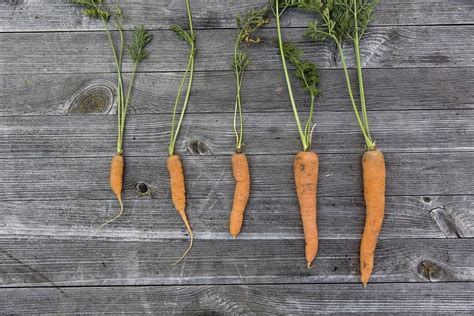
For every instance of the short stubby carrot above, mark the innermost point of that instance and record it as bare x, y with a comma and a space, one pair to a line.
241, 172
373, 166
117, 167
306, 168
178, 194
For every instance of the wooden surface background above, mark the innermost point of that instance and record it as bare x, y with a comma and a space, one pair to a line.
57, 134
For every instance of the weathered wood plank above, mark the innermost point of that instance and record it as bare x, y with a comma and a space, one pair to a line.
145, 219
386, 89
210, 177
212, 134
37, 16
422, 299
382, 47
73, 262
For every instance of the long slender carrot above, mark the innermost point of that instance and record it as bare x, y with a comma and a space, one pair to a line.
306, 167
178, 195
373, 166
240, 169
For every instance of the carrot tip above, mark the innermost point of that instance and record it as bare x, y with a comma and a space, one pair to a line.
234, 236
309, 265
364, 284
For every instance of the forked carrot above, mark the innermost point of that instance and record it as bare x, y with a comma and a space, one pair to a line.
240, 170
373, 167
306, 167
178, 195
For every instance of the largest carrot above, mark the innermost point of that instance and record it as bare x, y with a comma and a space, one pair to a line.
373, 167
306, 167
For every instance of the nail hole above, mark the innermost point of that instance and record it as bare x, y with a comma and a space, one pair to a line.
198, 147
142, 188
427, 199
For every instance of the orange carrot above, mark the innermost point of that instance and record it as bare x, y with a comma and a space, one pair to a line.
373, 166
116, 184
240, 169
306, 167
178, 194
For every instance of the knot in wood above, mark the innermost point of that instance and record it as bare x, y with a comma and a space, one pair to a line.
93, 99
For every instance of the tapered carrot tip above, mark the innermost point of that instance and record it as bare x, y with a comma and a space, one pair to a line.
234, 236
364, 284
309, 265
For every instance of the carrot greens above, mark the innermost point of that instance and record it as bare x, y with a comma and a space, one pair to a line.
247, 24
345, 20
98, 9
190, 38
305, 71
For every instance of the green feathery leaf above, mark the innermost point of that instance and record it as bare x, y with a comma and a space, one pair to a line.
140, 39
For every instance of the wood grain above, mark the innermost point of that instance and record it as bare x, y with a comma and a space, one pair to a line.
212, 134
104, 261
35, 16
263, 91
382, 47
423, 299
210, 177
275, 217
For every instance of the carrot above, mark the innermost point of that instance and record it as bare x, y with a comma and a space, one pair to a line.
306, 168
178, 194
240, 169
117, 167
175, 167
373, 166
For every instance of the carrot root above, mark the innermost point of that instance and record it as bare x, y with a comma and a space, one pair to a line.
373, 166
117, 167
306, 168
178, 195
241, 172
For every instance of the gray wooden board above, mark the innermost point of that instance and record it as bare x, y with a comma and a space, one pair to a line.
212, 134
425, 299
105, 261
210, 177
382, 47
151, 219
57, 133
35, 16
263, 91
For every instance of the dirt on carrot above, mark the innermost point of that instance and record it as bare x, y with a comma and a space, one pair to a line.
373, 166
306, 167
241, 172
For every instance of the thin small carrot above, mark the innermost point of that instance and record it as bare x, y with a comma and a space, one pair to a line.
241, 172
373, 166
117, 167
178, 195
306, 167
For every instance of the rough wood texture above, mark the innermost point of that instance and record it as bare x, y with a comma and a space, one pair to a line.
269, 133
35, 16
57, 134
263, 91
425, 299
382, 47
210, 177
110, 261
148, 219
